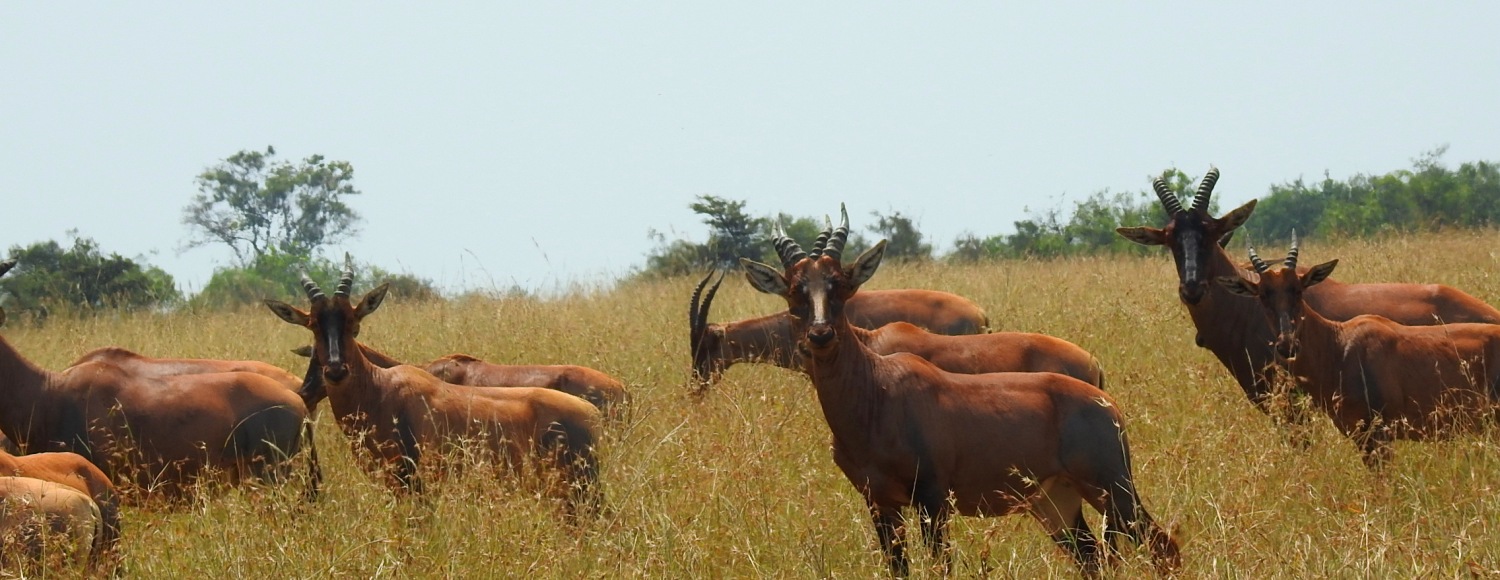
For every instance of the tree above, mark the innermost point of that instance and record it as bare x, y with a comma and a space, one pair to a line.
733, 233
257, 205
279, 276
904, 240
48, 276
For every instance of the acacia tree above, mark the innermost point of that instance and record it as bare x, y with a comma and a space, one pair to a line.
258, 206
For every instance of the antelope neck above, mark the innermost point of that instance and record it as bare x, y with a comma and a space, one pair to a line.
1318, 358
845, 378
767, 338
21, 386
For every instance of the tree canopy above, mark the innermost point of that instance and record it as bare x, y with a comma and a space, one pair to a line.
49, 276
257, 205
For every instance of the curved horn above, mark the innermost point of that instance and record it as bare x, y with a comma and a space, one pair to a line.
1291, 255
1168, 199
313, 292
347, 280
822, 241
786, 248
835, 248
7, 265
1205, 190
1260, 266
696, 314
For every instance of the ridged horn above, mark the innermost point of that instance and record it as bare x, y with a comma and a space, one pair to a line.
1291, 255
786, 248
822, 242
1168, 199
1260, 266
1205, 190
346, 281
314, 293
835, 248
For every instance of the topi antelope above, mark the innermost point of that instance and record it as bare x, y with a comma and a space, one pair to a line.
717, 346
75, 472
403, 418
1233, 328
39, 517
161, 433
1377, 379
907, 433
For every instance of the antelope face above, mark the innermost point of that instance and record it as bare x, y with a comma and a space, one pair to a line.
815, 290
1191, 235
334, 322
1280, 293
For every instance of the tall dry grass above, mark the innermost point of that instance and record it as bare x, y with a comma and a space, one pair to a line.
741, 483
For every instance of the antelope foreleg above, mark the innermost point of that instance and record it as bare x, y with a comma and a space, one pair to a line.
889, 530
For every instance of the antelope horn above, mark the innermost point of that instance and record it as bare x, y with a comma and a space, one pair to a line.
1205, 190
1291, 255
787, 248
7, 265
822, 240
1260, 266
835, 248
347, 280
1168, 199
695, 314
313, 292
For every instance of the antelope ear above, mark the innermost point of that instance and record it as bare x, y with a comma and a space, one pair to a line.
1143, 235
864, 266
372, 301
1237, 218
289, 313
1237, 286
1318, 273
304, 351
764, 278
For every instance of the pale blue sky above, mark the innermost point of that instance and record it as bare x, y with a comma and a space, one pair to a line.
536, 143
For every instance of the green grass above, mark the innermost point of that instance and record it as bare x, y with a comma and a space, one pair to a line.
740, 483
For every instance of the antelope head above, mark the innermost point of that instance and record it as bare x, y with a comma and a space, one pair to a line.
1280, 295
5, 267
705, 339
1190, 234
816, 286
334, 322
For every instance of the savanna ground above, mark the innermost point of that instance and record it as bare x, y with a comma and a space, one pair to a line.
740, 483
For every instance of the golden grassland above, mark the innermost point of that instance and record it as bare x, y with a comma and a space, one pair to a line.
740, 483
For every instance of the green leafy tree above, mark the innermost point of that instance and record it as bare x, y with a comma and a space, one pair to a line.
81, 278
279, 276
257, 205
732, 232
904, 241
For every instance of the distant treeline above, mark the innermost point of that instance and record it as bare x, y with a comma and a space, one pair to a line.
1428, 196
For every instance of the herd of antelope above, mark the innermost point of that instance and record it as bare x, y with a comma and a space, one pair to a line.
917, 393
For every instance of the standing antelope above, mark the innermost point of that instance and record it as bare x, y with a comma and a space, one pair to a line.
162, 433
1377, 379
715, 347
404, 418
907, 433
141, 365
1232, 327
603, 391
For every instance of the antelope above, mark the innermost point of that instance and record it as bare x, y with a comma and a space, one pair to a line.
1233, 329
715, 347
603, 391
142, 365
161, 433
403, 418
906, 433
36, 515
75, 472
1377, 379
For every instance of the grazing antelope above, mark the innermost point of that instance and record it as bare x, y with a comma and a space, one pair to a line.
1233, 328
39, 517
75, 472
404, 418
161, 433
603, 391
907, 433
1377, 379
141, 365
715, 347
